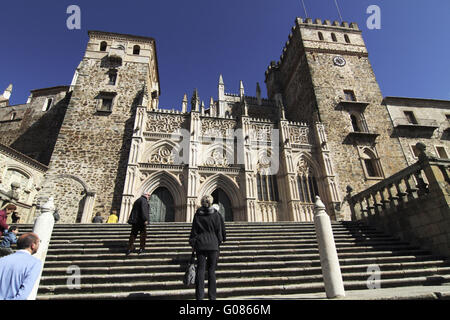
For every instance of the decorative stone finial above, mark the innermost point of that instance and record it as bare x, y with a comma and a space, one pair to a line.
258, 94
241, 89
423, 155
184, 104
49, 206
195, 101
318, 205
7, 92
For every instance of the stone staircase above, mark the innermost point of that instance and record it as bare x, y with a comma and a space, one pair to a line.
258, 259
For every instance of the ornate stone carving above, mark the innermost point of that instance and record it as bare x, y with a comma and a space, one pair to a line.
299, 135
162, 155
217, 128
217, 158
303, 168
261, 132
164, 123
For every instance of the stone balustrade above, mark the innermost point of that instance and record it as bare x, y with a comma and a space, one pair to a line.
412, 204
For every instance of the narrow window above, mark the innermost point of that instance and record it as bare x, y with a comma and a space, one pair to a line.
13, 116
320, 36
441, 152
347, 39
112, 74
103, 46
47, 104
259, 186
410, 117
333, 37
355, 124
136, 50
349, 95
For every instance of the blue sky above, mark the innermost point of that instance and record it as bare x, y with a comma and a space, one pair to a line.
199, 39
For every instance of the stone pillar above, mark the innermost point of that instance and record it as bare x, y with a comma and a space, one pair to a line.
331, 271
43, 227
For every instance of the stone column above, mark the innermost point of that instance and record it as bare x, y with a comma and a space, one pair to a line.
331, 271
43, 227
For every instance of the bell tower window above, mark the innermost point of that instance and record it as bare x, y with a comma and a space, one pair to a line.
333, 37
103, 46
347, 39
136, 50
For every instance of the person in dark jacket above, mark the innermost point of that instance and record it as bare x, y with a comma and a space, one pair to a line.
9, 238
139, 218
10, 208
207, 234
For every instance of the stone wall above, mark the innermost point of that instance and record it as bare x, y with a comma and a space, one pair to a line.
313, 83
432, 128
34, 130
94, 143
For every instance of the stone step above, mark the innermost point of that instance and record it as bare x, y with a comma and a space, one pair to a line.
119, 283
61, 272
305, 275
181, 264
118, 250
134, 293
257, 259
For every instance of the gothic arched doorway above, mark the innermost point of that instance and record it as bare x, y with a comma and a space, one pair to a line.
221, 198
162, 206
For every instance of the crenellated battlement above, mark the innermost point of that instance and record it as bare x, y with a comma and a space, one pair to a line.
326, 23
319, 24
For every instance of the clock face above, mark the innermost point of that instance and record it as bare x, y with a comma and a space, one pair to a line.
339, 61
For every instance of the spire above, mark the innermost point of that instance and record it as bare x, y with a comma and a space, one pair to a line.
7, 92
212, 108
258, 94
195, 101
241, 89
220, 112
184, 104
203, 108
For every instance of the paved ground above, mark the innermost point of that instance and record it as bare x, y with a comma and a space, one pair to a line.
441, 292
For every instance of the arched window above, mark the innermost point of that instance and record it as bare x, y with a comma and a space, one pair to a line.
320, 36
371, 164
103, 46
333, 37
136, 50
306, 182
347, 39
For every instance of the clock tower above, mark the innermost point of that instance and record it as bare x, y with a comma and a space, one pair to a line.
324, 75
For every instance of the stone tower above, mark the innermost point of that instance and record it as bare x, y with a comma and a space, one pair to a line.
86, 173
324, 75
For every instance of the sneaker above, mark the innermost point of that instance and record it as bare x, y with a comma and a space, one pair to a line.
128, 252
140, 251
